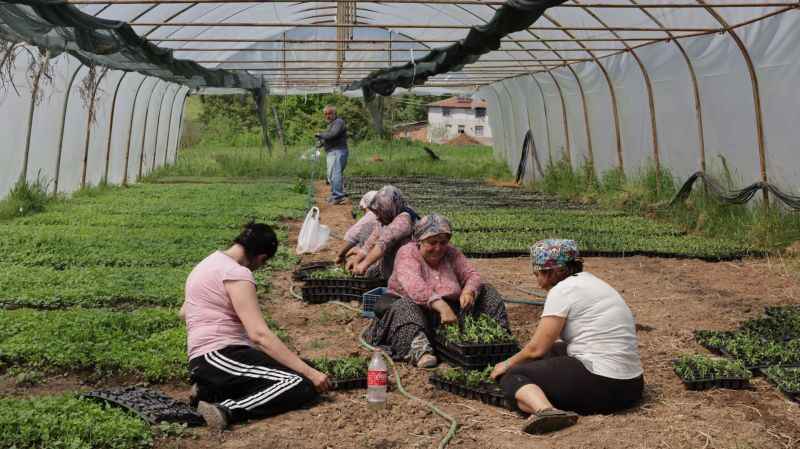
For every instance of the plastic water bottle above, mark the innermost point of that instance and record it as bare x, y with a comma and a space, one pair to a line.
376, 381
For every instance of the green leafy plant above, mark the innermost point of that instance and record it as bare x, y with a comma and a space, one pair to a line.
334, 272
786, 379
343, 368
67, 422
470, 378
480, 330
699, 367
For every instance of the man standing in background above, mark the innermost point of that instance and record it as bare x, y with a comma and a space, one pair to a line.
334, 141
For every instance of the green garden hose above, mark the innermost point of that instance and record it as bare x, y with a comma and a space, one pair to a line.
453, 423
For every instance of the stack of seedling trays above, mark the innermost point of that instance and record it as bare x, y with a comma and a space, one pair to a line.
152, 406
347, 373
330, 283
476, 343
472, 384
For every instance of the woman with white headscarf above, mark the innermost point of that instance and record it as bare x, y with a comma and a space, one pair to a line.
358, 234
434, 283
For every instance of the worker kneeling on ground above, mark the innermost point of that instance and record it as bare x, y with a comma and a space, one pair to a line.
357, 235
241, 369
595, 369
433, 283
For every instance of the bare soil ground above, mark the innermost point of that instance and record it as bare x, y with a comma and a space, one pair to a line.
670, 298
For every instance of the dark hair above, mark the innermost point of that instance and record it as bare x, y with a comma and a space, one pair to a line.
574, 267
257, 239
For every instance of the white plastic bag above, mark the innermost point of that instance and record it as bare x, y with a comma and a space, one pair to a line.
313, 235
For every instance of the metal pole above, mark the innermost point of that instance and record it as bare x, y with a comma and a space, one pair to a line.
63, 125
130, 131
158, 127
89, 117
169, 126
144, 129
111, 124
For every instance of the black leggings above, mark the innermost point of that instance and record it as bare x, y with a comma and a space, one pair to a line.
246, 383
568, 385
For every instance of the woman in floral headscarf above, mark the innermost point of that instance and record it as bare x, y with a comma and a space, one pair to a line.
375, 257
432, 282
358, 234
595, 369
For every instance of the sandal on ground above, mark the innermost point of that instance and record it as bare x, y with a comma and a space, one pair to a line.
427, 361
549, 420
215, 417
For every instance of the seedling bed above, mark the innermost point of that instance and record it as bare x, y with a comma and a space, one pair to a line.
349, 373
712, 340
782, 311
490, 394
152, 406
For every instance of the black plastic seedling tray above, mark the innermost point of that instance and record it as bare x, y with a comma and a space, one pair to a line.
705, 384
316, 291
152, 406
791, 395
357, 383
302, 272
467, 361
488, 394
468, 349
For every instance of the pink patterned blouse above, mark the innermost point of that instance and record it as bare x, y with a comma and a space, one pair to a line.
385, 236
413, 278
360, 232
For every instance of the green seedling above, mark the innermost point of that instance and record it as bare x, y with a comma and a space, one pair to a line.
699, 367
481, 330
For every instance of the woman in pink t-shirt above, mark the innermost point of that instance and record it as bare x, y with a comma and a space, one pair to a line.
241, 369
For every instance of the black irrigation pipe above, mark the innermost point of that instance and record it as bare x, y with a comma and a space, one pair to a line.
741, 196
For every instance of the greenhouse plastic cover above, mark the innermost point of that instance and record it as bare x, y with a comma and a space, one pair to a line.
619, 83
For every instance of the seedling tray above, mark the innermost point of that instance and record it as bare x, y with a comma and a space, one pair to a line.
731, 383
791, 395
152, 406
357, 383
318, 295
302, 272
473, 349
488, 394
467, 361
776, 311
354, 283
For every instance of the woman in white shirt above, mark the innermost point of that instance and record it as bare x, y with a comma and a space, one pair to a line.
596, 366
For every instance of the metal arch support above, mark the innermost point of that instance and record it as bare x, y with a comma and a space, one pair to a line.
144, 130
649, 87
180, 127
169, 126
509, 134
89, 115
762, 156
63, 124
31, 110
158, 125
612, 92
130, 129
546, 116
568, 151
111, 124
695, 85
585, 117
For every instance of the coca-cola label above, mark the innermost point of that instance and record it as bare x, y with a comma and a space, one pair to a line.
376, 378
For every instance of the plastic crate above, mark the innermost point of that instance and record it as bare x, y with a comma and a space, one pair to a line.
369, 299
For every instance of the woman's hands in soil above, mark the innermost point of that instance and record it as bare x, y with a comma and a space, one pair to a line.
320, 380
446, 314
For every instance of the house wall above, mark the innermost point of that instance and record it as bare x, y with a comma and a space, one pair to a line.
438, 130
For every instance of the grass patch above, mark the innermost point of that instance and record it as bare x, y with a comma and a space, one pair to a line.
24, 199
366, 158
67, 422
